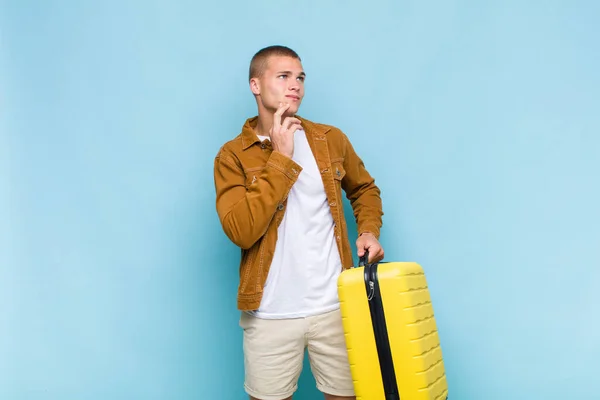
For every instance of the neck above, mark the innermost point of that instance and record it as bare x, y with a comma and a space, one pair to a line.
265, 123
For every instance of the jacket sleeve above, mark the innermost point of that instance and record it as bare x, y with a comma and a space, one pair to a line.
245, 211
363, 193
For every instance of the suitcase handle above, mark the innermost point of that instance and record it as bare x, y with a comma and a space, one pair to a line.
362, 261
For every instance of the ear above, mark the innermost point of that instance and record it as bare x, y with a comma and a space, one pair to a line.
255, 86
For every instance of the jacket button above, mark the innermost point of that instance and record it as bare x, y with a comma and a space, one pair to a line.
280, 206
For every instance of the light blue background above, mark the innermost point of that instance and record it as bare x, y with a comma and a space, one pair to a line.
480, 121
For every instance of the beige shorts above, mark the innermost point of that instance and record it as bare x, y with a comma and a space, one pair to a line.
274, 355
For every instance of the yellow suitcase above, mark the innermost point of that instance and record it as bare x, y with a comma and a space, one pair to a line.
391, 334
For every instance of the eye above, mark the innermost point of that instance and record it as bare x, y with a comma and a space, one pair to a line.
282, 76
301, 78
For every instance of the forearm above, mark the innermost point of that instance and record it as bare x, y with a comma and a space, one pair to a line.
245, 212
367, 208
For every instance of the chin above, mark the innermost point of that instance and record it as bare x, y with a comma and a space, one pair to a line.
289, 112
293, 109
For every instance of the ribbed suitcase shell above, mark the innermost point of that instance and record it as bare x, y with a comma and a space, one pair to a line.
411, 327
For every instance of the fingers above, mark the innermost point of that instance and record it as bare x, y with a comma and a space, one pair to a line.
376, 252
375, 256
378, 256
294, 128
289, 122
277, 116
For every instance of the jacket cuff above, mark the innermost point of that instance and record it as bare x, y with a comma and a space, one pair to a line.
285, 165
369, 228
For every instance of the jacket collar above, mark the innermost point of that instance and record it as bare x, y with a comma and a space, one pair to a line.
249, 130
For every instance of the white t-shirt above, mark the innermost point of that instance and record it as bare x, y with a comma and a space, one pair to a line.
302, 279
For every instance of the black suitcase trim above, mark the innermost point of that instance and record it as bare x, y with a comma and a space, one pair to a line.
382, 341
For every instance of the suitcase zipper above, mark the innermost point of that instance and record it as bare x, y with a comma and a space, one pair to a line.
386, 363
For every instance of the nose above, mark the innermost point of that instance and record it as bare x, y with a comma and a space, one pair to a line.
295, 85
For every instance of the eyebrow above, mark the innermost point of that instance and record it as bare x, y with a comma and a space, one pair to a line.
291, 73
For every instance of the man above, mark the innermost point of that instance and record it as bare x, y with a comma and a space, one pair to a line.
279, 198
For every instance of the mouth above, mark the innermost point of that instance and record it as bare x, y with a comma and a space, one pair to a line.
292, 97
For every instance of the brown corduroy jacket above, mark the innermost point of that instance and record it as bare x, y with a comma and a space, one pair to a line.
252, 183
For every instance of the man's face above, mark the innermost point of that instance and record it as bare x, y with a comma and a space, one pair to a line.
282, 82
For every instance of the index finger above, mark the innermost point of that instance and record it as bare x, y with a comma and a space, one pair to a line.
278, 114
